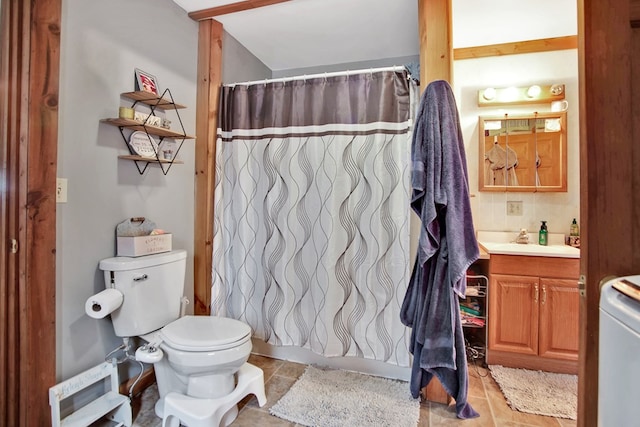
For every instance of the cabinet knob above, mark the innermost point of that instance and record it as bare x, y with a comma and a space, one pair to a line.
544, 294
536, 292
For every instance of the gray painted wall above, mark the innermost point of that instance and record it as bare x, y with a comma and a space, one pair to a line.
101, 45
238, 64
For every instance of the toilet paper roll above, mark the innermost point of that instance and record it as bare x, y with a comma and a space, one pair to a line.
104, 303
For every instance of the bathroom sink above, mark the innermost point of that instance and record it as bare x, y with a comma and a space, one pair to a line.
502, 243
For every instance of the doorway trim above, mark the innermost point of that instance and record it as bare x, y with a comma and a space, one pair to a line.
29, 83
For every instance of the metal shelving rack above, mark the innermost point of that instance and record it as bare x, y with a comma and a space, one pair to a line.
476, 317
163, 102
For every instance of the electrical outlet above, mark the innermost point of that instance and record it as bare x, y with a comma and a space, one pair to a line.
61, 190
514, 208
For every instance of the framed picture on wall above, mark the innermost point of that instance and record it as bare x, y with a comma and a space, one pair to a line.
146, 82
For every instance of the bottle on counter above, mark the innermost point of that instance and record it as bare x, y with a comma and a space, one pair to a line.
574, 234
543, 234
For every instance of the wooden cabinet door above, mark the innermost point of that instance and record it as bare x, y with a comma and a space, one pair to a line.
559, 309
513, 313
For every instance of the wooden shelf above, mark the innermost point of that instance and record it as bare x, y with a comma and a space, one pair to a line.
152, 99
148, 159
153, 130
162, 102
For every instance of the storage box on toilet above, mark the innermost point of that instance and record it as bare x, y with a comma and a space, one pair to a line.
136, 246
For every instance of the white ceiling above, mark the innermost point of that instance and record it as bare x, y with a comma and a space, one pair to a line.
313, 33
309, 33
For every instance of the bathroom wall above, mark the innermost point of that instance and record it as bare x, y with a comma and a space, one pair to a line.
489, 208
504, 21
101, 45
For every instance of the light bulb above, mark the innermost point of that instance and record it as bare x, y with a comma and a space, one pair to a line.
489, 93
533, 91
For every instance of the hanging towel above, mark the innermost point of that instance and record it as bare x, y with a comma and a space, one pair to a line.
447, 247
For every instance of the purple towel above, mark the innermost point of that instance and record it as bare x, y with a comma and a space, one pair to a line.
447, 247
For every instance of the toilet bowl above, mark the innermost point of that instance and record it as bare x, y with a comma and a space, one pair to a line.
201, 354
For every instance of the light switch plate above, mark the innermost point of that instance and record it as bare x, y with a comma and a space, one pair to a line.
61, 190
514, 208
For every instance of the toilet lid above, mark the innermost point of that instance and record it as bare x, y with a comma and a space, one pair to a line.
204, 333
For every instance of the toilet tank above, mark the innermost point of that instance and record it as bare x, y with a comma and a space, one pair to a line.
152, 287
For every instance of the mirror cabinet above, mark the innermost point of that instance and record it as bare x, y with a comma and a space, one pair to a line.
523, 153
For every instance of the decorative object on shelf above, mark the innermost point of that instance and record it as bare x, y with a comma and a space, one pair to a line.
146, 82
143, 144
147, 118
126, 113
168, 148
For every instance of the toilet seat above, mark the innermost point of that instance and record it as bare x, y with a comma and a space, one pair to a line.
205, 333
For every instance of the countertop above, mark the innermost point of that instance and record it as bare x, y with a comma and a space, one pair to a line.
502, 243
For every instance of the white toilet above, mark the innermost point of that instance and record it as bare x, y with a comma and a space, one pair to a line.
193, 356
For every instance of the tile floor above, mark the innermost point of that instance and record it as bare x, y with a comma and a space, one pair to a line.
484, 395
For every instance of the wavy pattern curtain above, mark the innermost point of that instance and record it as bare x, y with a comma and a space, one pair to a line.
311, 227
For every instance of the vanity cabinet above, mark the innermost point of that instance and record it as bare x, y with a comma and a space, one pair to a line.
533, 312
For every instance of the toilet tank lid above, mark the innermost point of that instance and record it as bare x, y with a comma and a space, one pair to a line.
122, 263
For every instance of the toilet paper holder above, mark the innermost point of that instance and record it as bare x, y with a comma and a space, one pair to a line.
103, 303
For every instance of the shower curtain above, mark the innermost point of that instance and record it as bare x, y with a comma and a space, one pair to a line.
311, 226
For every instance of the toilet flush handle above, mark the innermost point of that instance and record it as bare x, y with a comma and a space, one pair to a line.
140, 278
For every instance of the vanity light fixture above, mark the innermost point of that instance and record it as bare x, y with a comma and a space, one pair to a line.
534, 94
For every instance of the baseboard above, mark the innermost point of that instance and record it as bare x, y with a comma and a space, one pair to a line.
527, 361
147, 379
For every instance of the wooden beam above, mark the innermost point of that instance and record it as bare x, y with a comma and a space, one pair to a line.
528, 46
436, 63
436, 47
208, 93
240, 6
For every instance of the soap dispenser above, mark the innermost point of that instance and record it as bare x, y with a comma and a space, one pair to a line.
574, 234
542, 234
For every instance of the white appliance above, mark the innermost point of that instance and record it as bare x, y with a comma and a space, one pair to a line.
619, 359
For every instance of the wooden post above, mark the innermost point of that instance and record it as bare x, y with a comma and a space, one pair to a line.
436, 63
208, 94
436, 46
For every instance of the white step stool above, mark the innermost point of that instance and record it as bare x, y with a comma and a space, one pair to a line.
195, 412
112, 404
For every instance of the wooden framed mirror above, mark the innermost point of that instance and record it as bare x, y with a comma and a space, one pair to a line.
523, 153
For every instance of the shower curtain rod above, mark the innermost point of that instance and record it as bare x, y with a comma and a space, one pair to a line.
319, 75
